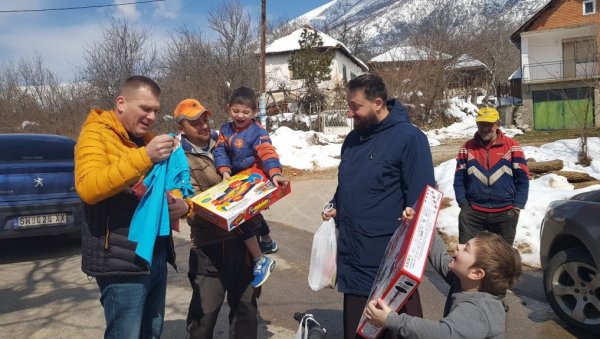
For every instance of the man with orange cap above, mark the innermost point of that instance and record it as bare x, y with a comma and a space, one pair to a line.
219, 263
491, 182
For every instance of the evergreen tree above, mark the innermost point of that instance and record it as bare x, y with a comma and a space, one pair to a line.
311, 64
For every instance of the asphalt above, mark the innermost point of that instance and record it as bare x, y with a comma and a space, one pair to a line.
44, 294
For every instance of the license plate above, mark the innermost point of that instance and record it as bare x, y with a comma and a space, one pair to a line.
42, 219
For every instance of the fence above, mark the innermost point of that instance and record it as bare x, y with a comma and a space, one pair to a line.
331, 120
559, 70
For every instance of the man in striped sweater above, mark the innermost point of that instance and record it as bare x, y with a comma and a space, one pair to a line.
491, 182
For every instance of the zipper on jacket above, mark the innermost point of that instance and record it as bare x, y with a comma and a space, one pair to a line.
107, 234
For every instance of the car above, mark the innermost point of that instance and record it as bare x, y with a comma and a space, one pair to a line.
570, 258
37, 186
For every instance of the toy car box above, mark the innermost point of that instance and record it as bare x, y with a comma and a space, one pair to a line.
230, 203
402, 267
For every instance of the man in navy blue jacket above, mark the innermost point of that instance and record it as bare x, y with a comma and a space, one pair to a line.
386, 163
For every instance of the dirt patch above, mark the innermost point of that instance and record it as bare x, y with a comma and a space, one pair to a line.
445, 203
297, 174
538, 138
523, 247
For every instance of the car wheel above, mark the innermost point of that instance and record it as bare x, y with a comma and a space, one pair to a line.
572, 286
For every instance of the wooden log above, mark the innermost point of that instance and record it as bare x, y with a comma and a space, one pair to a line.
545, 166
579, 185
575, 176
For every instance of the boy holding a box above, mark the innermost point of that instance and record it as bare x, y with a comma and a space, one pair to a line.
243, 143
482, 269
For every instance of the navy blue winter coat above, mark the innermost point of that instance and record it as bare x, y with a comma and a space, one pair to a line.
383, 169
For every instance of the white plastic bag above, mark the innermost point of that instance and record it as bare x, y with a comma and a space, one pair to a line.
322, 270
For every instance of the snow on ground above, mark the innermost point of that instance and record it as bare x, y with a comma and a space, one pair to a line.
542, 192
306, 150
465, 127
313, 150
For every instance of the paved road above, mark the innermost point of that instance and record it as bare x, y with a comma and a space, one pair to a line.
44, 294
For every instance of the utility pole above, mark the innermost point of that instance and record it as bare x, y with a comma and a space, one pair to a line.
263, 41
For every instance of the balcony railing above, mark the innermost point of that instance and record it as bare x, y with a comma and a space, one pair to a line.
561, 70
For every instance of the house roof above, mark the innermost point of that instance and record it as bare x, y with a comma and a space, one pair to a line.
289, 43
516, 36
465, 61
516, 75
409, 53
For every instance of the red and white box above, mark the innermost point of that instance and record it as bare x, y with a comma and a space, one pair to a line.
230, 203
403, 264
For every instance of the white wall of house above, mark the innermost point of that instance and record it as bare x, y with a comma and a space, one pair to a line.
540, 47
277, 72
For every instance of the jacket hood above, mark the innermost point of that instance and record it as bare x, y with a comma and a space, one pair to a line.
397, 114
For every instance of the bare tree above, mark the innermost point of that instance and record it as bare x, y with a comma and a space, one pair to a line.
32, 98
190, 69
234, 45
354, 38
123, 50
491, 45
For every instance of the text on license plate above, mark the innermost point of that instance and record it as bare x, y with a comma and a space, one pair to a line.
42, 219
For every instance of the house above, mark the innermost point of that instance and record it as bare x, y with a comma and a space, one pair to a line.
279, 80
407, 57
559, 65
467, 73
424, 64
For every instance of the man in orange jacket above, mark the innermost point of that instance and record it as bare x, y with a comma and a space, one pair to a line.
114, 150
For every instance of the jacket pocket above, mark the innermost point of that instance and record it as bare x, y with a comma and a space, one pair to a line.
367, 249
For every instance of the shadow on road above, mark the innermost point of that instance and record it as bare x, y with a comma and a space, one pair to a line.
39, 248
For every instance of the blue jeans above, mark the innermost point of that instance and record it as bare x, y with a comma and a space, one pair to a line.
134, 307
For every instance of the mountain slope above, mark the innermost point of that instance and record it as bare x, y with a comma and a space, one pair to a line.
381, 20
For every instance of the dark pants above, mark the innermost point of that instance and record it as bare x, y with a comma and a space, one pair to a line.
354, 306
264, 228
215, 271
471, 222
248, 230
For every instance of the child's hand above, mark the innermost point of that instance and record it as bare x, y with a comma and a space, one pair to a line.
226, 176
408, 214
377, 311
280, 180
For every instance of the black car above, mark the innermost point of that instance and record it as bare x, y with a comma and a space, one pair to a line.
37, 188
570, 257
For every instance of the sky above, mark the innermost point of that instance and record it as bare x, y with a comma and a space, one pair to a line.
60, 37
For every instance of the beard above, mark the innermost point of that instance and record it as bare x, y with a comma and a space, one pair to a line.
366, 121
487, 137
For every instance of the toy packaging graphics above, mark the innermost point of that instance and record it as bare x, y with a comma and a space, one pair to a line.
230, 203
403, 263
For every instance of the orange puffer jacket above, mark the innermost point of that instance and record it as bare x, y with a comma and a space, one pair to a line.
106, 160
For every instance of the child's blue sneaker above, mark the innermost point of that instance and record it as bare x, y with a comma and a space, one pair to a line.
268, 247
262, 270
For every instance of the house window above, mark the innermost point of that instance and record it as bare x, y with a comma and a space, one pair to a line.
585, 51
589, 7
344, 76
580, 50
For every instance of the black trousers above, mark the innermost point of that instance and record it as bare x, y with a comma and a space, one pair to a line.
248, 229
354, 306
217, 271
471, 222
